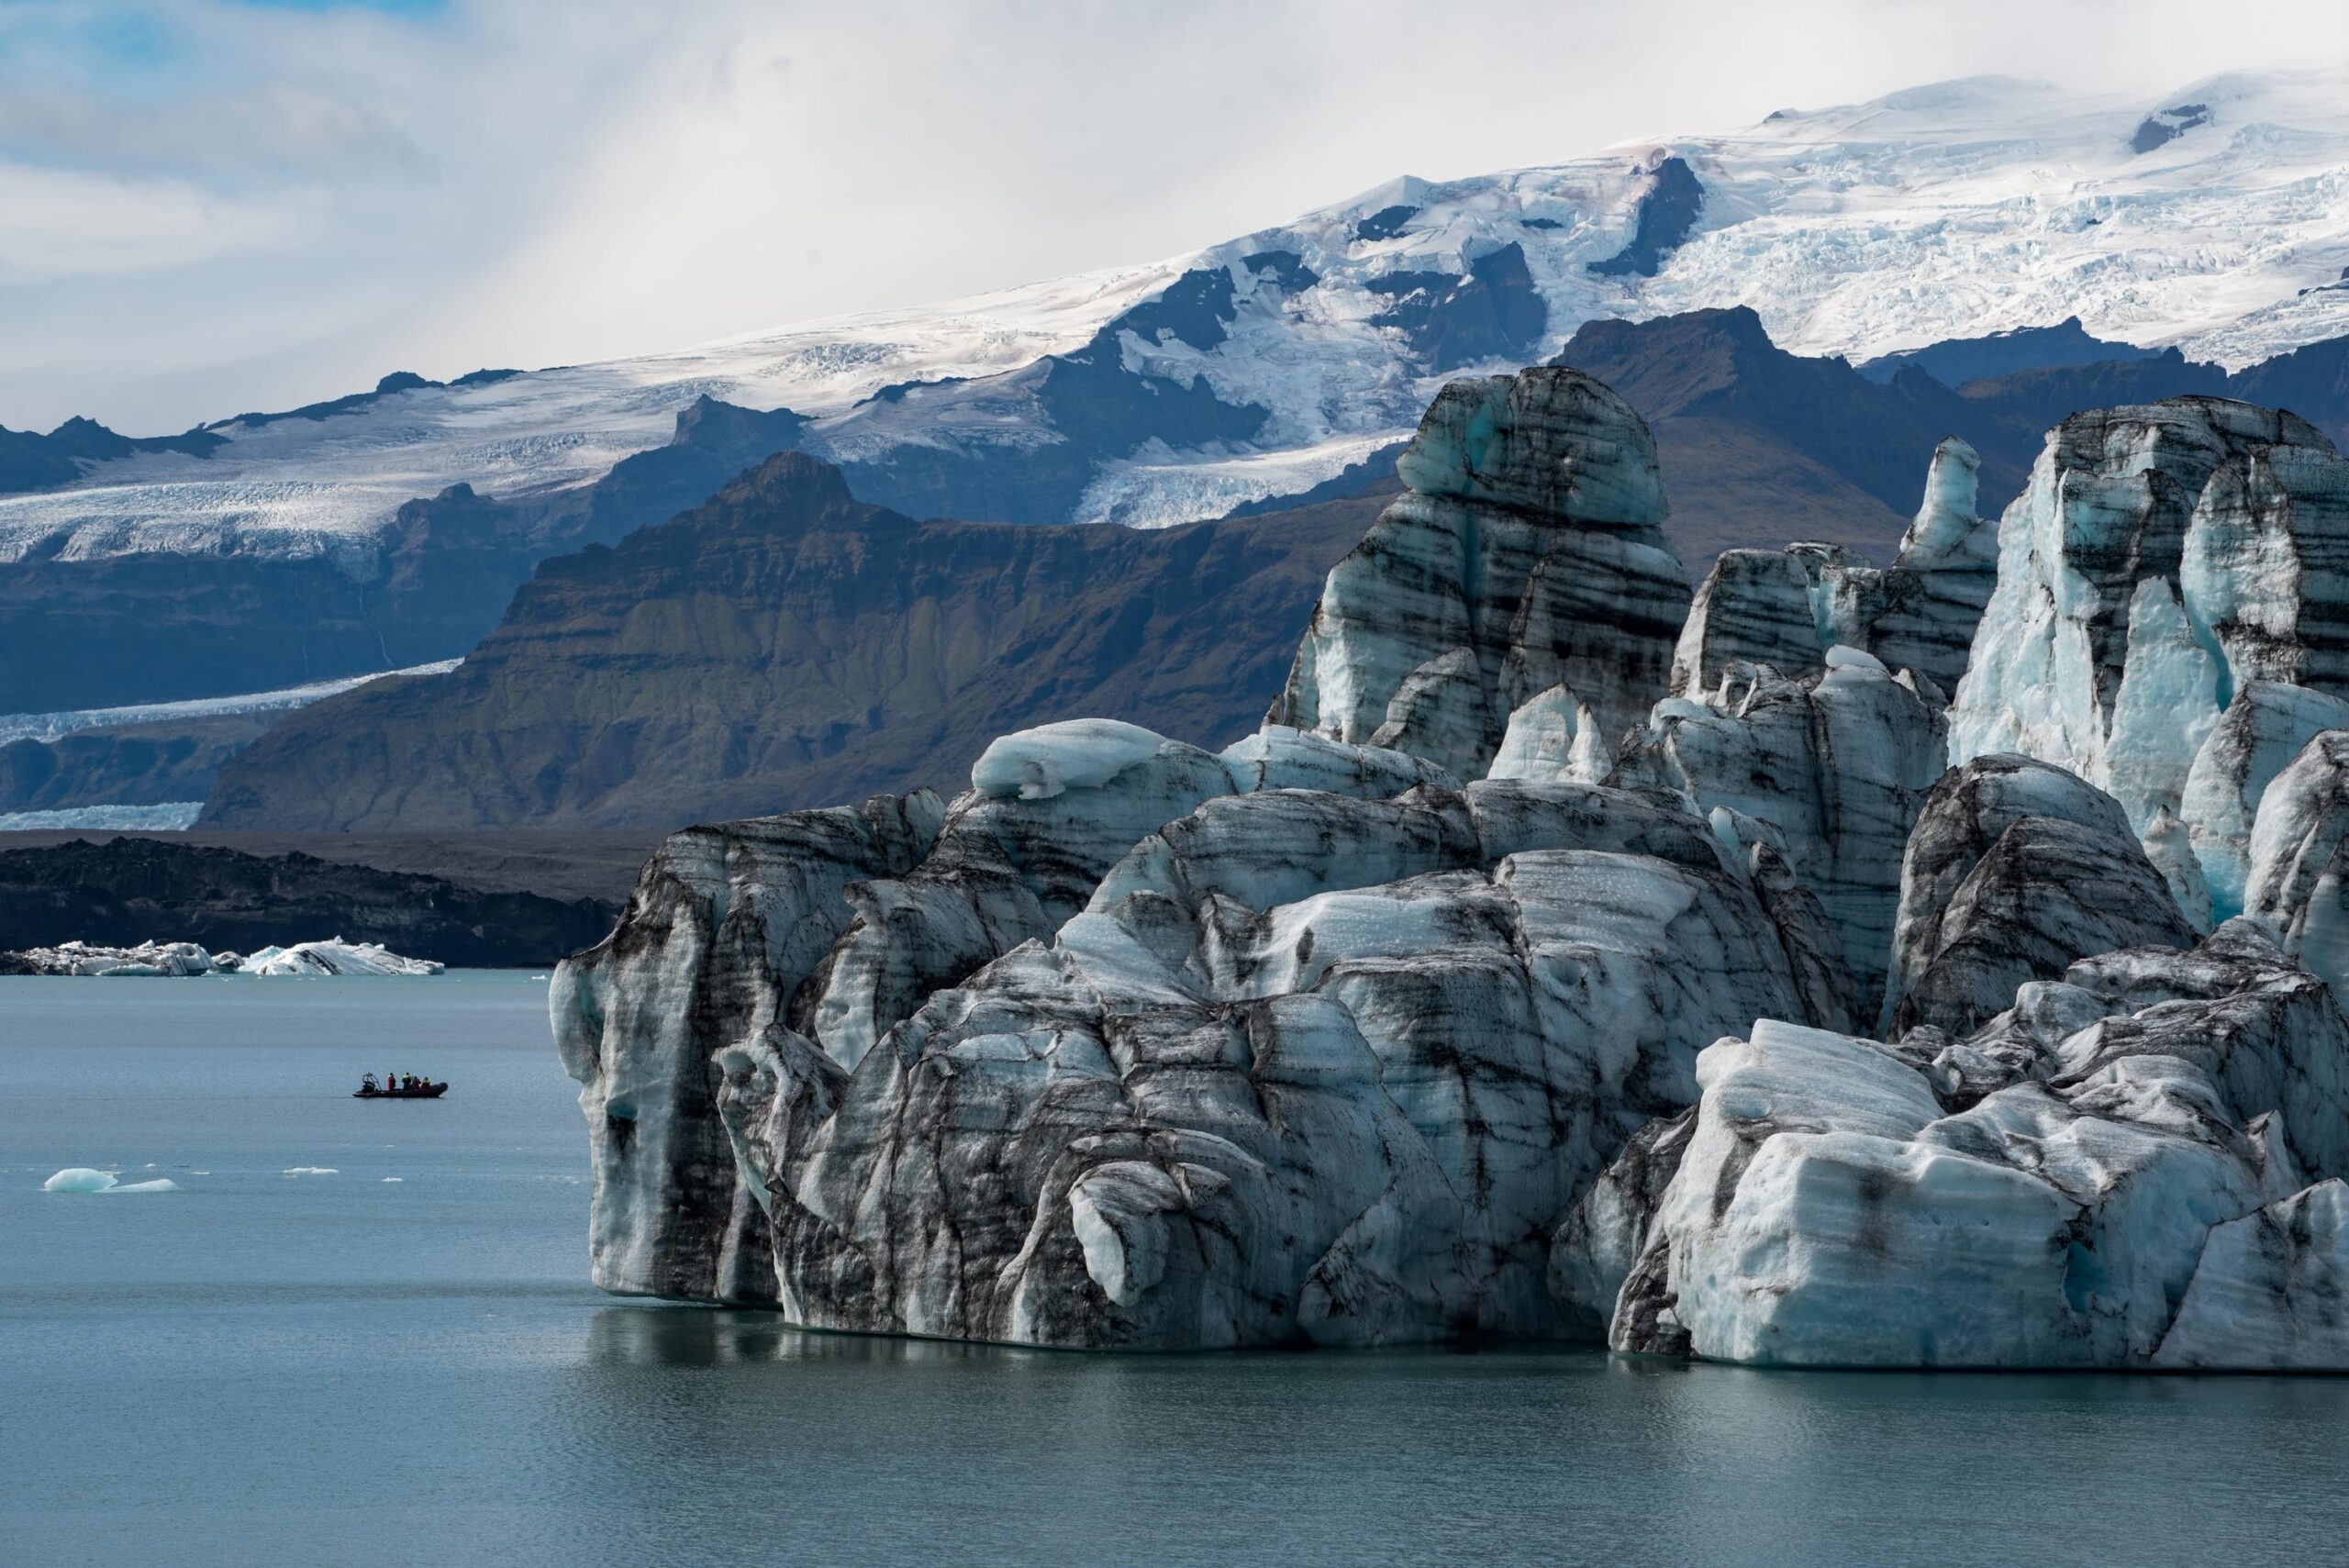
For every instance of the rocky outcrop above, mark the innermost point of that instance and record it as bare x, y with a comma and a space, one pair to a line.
2015, 870
30, 460
1785, 608
2136, 1167
1526, 555
127, 764
2161, 558
785, 646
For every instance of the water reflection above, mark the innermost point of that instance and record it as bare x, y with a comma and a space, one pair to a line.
671, 1334
866, 1448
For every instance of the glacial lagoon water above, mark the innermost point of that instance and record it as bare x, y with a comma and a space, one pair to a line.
391, 1356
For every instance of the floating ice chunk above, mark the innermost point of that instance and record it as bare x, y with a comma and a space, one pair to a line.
161, 1184
148, 959
335, 957
390, 1179
310, 1171
78, 1179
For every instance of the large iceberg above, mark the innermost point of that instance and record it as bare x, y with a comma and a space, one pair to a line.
1515, 980
147, 960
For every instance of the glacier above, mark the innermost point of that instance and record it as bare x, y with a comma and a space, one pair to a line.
1857, 229
1931, 965
55, 726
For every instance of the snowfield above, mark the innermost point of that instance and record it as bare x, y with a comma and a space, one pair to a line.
2214, 217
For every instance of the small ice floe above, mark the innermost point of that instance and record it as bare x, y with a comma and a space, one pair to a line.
394, 1178
310, 1171
82, 1179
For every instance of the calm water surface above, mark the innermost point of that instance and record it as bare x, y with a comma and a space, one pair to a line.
273, 1368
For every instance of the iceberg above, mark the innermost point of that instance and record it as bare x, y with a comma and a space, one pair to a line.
82, 1179
1790, 608
1516, 977
181, 959
2157, 1129
2162, 558
332, 957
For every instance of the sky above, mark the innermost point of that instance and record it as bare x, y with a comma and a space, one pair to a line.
212, 206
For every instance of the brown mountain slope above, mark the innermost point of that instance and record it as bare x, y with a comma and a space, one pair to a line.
784, 645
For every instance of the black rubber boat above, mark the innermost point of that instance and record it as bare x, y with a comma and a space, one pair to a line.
426, 1092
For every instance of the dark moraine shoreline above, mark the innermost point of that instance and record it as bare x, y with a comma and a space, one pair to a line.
486, 900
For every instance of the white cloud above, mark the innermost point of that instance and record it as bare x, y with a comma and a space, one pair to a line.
243, 206
64, 225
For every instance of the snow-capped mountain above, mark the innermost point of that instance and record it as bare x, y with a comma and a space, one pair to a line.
2214, 218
